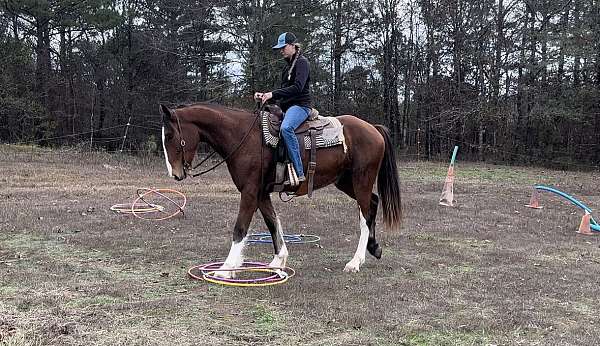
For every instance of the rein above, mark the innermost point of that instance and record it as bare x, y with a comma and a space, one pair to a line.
186, 165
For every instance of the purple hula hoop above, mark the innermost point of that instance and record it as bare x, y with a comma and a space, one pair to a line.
206, 269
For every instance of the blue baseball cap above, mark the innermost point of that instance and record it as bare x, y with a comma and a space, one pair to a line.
285, 38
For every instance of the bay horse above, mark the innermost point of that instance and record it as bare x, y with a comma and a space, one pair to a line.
236, 136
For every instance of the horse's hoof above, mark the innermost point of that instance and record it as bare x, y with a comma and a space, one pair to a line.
375, 250
223, 274
352, 267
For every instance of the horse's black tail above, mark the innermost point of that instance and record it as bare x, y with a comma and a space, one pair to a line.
388, 184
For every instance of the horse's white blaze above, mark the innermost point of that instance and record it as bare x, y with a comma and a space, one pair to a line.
280, 259
169, 168
359, 255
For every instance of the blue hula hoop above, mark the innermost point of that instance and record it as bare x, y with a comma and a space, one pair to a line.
593, 224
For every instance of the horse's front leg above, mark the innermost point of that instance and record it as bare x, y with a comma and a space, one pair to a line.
248, 205
274, 225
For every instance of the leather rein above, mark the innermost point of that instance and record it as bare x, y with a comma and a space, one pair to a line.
187, 165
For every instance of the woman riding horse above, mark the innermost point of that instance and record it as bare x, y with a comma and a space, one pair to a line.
293, 96
236, 135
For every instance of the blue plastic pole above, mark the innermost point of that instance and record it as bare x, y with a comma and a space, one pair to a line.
593, 224
454, 154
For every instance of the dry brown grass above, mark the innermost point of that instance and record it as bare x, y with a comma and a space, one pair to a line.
486, 272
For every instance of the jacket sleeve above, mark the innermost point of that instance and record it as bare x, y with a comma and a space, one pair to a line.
302, 69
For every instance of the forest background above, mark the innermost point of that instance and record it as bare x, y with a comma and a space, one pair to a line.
508, 81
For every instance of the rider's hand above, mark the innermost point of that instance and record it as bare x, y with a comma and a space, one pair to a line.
266, 96
258, 96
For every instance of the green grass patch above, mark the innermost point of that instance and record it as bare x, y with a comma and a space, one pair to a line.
479, 173
494, 175
459, 269
6, 291
426, 275
264, 319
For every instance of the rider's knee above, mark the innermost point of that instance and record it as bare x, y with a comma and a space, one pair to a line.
287, 129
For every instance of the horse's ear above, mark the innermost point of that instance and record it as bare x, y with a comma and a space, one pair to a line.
166, 115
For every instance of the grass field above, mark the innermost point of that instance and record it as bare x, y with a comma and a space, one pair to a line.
488, 272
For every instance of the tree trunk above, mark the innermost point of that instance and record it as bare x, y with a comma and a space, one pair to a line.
521, 87
395, 107
457, 45
564, 29
337, 56
408, 80
596, 7
63, 66
101, 103
544, 57
100, 73
71, 77
202, 64
130, 65
497, 67
15, 27
43, 64
596, 15
577, 57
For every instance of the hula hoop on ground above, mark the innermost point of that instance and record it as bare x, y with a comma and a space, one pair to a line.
207, 271
140, 208
594, 226
141, 194
265, 238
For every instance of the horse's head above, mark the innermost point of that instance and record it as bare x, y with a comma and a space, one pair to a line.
180, 140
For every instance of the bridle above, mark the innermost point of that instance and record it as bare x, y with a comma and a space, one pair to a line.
187, 165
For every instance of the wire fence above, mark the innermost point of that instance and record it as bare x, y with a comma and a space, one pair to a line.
80, 142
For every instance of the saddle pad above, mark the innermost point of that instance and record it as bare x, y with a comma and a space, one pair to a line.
332, 135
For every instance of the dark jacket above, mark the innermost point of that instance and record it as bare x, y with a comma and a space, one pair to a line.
295, 89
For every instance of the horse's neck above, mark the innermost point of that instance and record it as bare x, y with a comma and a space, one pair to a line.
223, 131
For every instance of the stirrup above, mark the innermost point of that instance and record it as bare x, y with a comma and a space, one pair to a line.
300, 181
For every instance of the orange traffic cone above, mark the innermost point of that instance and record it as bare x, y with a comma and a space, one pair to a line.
534, 202
584, 226
447, 197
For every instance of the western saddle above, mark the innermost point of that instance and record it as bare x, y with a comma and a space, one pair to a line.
310, 129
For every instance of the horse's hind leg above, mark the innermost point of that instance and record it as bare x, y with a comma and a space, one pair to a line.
345, 185
367, 202
372, 245
274, 225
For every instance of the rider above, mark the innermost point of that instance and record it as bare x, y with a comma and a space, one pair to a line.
293, 96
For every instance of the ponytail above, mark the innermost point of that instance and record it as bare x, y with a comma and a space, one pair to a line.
296, 55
